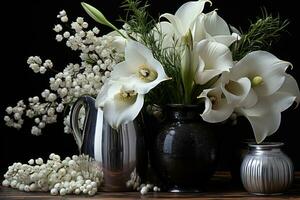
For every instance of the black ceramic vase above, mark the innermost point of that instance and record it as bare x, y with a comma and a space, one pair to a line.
184, 151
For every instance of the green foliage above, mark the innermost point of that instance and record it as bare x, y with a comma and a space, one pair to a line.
143, 26
260, 36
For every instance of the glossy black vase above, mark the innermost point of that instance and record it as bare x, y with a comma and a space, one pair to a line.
184, 151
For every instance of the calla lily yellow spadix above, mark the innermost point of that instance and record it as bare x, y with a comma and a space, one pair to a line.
256, 81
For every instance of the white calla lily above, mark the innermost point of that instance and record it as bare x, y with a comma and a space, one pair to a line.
140, 68
290, 86
265, 90
216, 107
266, 72
236, 91
164, 32
185, 16
119, 42
265, 116
211, 26
120, 104
214, 58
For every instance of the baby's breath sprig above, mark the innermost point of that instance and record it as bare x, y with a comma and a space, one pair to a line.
98, 56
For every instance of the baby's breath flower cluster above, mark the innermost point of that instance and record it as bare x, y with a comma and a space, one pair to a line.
98, 57
76, 175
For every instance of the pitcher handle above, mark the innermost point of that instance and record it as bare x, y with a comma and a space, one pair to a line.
74, 117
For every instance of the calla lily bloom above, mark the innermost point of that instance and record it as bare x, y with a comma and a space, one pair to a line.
214, 58
266, 72
140, 68
185, 16
272, 91
265, 116
236, 91
216, 107
120, 104
211, 26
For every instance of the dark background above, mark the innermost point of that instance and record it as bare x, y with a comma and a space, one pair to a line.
26, 29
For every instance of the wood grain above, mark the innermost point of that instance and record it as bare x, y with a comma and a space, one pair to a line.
220, 187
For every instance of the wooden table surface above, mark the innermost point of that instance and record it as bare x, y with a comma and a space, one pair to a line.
220, 187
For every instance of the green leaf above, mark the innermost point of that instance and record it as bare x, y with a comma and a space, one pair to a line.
95, 14
98, 16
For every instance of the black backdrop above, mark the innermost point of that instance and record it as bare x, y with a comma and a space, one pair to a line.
26, 29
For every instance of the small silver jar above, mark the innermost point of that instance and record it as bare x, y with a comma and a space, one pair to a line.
266, 170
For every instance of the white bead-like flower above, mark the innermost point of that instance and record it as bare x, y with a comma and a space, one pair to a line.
57, 28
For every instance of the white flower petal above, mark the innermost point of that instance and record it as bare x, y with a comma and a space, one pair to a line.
176, 22
199, 31
266, 65
189, 11
118, 42
250, 100
290, 86
132, 71
144, 87
282, 101
215, 25
122, 70
236, 91
107, 92
227, 40
117, 113
271, 83
136, 54
264, 125
131, 111
265, 116
217, 111
214, 116
206, 75
216, 57
167, 33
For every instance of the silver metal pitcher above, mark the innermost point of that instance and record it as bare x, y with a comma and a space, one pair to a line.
266, 170
121, 152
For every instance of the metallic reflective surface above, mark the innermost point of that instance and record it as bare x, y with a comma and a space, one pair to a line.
120, 152
266, 170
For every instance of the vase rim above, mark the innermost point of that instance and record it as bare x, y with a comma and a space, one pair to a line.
178, 105
266, 145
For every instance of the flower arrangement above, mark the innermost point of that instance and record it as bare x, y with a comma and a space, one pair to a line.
192, 56
189, 57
